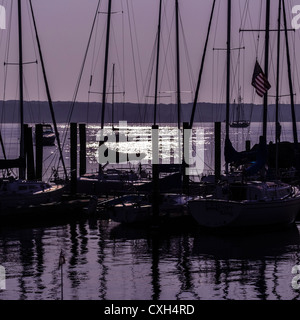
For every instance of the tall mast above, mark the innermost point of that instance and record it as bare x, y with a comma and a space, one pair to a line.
265, 111
113, 96
22, 149
178, 65
277, 87
48, 92
290, 78
201, 67
228, 71
157, 61
105, 63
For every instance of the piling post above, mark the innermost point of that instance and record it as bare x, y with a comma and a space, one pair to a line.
29, 152
39, 151
248, 145
155, 174
185, 159
82, 152
116, 131
73, 156
217, 151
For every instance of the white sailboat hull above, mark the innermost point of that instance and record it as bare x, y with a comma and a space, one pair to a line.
217, 213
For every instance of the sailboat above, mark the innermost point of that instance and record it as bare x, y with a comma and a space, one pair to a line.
239, 122
239, 199
19, 195
109, 180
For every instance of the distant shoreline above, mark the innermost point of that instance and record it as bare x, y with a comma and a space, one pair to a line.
83, 112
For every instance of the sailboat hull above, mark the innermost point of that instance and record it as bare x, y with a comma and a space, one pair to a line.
12, 204
215, 213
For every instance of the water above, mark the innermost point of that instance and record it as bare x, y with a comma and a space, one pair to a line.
111, 262
107, 261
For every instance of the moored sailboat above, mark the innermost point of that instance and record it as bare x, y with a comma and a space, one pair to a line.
19, 194
241, 200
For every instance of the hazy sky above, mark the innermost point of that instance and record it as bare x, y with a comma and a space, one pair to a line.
64, 27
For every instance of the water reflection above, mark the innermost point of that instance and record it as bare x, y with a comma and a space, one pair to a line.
223, 266
254, 260
109, 261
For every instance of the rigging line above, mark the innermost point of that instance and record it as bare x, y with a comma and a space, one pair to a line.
165, 51
7, 49
48, 91
150, 69
123, 50
95, 57
36, 55
53, 160
118, 59
6, 74
149, 72
80, 77
188, 60
137, 47
201, 67
26, 93
133, 58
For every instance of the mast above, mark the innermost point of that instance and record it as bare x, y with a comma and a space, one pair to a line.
22, 148
105, 63
228, 71
178, 65
113, 96
48, 93
277, 133
290, 78
157, 61
265, 110
201, 67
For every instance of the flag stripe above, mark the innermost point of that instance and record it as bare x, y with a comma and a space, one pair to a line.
259, 81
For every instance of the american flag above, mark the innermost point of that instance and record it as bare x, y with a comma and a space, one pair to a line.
259, 81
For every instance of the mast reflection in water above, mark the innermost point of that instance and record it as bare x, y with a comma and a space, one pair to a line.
108, 261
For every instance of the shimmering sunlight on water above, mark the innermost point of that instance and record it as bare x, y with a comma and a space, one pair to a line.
106, 261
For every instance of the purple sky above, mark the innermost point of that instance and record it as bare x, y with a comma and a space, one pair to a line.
64, 27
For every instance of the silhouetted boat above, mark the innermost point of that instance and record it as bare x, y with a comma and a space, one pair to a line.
17, 195
137, 208
48, 135
240, 200
238, 112
247, 204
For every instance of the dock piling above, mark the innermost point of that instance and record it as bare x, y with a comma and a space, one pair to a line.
73, 156
39, 151
82, 152
29, 152
217, 151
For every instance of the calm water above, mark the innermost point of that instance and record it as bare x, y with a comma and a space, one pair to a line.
105, 260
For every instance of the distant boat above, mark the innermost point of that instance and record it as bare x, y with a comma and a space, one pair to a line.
238, 112
240, 124
48, 135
